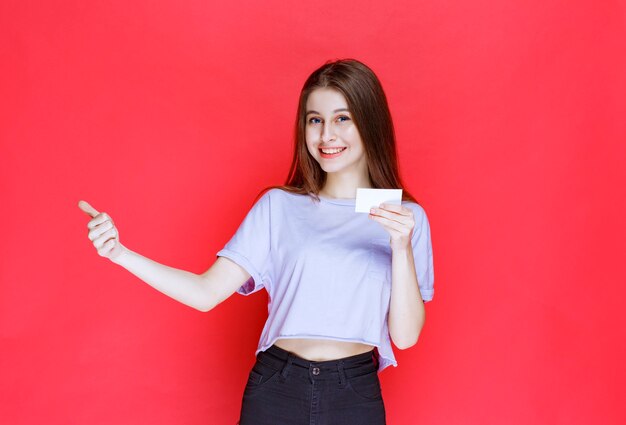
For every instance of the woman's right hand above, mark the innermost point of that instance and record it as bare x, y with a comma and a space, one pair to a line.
102, 232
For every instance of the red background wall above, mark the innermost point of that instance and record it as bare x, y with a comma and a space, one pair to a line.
171, 116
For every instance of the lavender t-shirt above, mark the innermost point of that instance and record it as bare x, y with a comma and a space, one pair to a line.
326, 268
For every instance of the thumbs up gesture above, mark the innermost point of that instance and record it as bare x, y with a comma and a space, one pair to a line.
102, 232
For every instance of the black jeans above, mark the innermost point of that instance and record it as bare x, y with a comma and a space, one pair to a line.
284, 389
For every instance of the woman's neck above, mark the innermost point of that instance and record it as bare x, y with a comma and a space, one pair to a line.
343, 187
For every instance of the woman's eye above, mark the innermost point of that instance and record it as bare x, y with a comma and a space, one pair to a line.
314, 120
343, 118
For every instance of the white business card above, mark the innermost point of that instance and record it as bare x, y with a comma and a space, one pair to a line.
372, 198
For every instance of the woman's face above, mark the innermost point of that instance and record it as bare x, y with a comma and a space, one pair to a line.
331, 135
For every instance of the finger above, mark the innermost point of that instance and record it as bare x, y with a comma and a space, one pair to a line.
98, 220
99, 230
399, 209
390, 225
83, 205
102, 239
402, 219
106, 247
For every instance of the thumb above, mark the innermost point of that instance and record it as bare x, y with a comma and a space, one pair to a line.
88, 208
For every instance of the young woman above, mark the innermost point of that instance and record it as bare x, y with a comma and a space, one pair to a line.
342, 285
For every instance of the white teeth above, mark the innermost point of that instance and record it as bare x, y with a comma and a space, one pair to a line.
332, 151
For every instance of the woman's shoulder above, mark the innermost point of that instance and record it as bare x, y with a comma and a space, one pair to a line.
284, 193
418, 210
279, 195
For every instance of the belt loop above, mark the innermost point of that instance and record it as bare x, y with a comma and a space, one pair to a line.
283, 372
342, 376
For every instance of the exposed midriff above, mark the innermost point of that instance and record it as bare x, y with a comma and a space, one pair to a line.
322, 349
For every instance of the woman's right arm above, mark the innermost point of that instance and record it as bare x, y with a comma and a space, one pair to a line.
202, 292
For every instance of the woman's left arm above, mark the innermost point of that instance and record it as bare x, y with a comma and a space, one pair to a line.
406, 310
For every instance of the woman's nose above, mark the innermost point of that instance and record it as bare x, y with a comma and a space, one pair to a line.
327, 133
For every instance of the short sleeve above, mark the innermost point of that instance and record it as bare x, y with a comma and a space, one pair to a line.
250, 246
423, 254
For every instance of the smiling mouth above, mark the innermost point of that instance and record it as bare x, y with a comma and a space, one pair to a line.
326, 152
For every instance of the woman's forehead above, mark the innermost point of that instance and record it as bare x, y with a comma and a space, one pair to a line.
326, 100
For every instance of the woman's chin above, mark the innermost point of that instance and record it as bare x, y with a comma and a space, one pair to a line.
331, 170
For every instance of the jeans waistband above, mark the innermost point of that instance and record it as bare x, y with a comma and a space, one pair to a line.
287, 362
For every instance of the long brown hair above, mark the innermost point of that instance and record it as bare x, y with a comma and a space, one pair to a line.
368, 104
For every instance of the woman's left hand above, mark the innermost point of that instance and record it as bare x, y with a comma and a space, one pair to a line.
398, 221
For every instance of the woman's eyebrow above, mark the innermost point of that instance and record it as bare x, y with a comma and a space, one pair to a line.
336, 110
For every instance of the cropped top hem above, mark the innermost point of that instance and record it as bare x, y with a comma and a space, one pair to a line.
383, 361
427, 295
